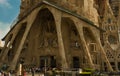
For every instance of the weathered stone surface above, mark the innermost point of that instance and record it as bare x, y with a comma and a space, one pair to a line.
84, 8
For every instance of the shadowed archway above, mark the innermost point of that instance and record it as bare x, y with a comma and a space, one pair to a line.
72, 43
43, 41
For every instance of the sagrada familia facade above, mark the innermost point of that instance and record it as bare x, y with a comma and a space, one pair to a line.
65, 34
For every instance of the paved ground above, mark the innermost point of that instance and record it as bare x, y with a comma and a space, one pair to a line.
35, 75
31, 74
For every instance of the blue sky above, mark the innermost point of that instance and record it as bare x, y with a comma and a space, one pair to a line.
9, 10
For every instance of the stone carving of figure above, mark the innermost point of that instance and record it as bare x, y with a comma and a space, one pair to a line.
41, 44
46, 42
55, 44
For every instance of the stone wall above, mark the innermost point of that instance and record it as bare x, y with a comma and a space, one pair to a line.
84, 8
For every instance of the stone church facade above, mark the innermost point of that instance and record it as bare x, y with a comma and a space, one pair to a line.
64, 34
111, 38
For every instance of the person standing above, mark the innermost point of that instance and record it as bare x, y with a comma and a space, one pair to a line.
32, 71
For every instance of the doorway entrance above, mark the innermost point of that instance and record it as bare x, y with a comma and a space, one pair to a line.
76, 62
47, 61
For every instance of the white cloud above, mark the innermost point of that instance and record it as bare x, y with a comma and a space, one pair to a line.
4, 28
5, 3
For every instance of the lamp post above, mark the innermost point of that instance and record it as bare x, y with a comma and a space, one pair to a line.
45, 65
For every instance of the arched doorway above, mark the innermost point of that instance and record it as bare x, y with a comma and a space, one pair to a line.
43, 39
72, 43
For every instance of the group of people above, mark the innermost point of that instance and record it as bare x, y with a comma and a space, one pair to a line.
37, 70
2, 73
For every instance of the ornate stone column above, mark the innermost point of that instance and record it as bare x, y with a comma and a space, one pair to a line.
79, 27
7, 46
57, 16
31, 19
